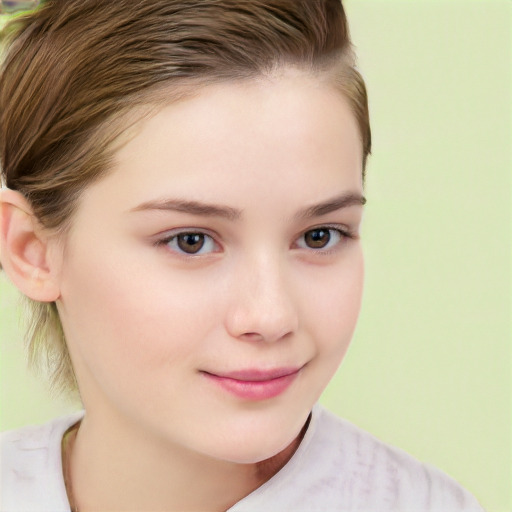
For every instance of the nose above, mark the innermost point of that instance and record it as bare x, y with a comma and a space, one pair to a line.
261, 306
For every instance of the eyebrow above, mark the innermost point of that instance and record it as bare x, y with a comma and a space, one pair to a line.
332, 205
232, 214
191, 207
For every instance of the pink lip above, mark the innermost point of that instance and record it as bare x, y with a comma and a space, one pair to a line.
254, 384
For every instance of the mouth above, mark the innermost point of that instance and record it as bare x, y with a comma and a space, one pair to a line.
255, 384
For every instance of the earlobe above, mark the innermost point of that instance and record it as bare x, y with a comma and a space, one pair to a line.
24, 249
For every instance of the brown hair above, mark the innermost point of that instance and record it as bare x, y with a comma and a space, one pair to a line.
74, 69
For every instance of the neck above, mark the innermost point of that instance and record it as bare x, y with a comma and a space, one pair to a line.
119, 469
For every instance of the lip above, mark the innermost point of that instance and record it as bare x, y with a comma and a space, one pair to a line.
255, 384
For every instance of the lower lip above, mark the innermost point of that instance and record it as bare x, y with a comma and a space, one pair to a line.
254, 390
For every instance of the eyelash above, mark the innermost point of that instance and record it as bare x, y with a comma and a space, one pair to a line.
343, 234
174, 238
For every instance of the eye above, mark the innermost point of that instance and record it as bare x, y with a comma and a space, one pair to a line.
193, 243
323, 238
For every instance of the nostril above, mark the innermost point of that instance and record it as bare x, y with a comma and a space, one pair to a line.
271, 337
252, 336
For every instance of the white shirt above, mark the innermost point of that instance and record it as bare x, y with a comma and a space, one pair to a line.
337, 467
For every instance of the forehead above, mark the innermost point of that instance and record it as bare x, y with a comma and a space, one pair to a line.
289, 131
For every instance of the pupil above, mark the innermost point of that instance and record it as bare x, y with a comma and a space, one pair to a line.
318, 238
191, 242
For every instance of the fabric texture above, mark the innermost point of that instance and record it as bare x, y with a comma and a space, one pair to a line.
337, 467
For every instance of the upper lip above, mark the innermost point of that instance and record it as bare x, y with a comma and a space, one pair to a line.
256, 374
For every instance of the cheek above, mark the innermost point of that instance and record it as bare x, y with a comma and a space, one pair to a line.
334, 304
123, 318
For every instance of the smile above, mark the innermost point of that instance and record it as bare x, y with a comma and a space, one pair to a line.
255, 384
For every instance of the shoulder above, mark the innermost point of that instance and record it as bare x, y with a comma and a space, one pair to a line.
31, 476
339, 466
385, 475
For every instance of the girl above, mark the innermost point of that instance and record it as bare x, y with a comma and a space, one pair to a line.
182, 204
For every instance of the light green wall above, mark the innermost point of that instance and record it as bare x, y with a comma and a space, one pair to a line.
430, 367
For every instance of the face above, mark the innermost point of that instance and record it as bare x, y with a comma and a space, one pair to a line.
212, 281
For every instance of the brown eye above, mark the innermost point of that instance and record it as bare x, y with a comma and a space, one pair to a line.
191, 243
317, 238
321, 239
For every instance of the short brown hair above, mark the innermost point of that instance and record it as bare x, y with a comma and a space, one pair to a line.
73, 68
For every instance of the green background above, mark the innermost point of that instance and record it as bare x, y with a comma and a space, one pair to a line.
430, 366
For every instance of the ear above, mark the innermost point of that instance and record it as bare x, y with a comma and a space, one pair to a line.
25, 249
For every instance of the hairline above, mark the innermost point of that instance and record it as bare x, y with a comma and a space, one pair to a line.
139, 108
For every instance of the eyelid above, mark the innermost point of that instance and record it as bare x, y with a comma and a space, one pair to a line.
342, 228
345, 232
169, 233
163, 238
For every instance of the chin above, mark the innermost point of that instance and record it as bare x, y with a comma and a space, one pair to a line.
252, 452
258, 442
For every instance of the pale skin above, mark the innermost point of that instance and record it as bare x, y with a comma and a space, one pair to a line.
254, 171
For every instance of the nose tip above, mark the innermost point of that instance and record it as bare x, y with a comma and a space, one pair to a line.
250, 328
262, 312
